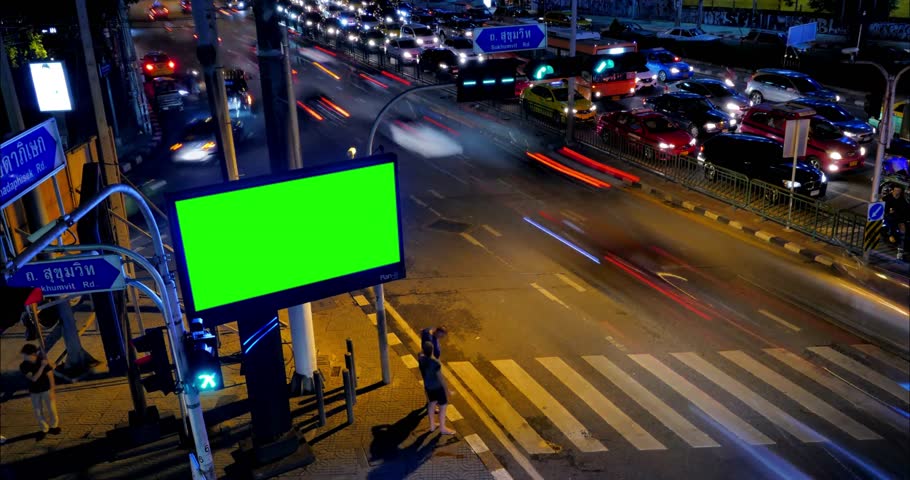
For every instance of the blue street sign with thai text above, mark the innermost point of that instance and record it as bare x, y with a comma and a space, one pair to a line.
72, 275
510, 38
29, 159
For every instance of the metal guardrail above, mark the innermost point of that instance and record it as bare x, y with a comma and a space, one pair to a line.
809, 215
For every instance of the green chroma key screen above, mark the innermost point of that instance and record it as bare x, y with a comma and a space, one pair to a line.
255, 241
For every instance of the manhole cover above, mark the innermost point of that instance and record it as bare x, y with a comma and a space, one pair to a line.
450, 226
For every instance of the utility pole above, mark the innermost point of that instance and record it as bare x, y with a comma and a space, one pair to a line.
283, 138
204, 17
77, 359
137, 93
570, 114
679, 6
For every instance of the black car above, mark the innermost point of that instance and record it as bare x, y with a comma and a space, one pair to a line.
310, 21
372, 40
196, 145
762, 159
694, 112
511, 11
441, 61
723, 96
239, 97
456, 27
477, 15
628, 31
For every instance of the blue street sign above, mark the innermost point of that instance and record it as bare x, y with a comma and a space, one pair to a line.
29, 159
876, 211
104, 69
72, 275
510, 38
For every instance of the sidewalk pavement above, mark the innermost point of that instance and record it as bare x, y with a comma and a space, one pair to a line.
388, 439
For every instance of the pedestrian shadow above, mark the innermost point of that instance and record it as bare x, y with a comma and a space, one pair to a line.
36, 435
400, 462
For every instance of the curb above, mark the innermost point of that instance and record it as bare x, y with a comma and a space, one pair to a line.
768, 237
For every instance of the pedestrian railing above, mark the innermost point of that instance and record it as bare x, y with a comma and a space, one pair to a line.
807, 215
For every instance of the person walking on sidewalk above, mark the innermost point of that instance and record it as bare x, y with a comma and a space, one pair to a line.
435, 386
897, 214
40, 375
434, 335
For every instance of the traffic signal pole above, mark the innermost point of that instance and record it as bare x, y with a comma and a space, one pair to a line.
204, 17
570, 115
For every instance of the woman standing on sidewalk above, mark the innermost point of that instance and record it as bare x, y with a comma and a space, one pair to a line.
436, 389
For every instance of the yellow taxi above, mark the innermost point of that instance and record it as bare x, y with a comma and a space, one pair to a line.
552, 100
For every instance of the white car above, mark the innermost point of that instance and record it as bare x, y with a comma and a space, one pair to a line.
405, 50
464, 48
368, 22
422, 34
688, 35
645, 79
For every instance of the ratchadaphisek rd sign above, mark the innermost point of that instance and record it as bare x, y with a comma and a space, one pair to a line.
510, 38
28, 159
72, 275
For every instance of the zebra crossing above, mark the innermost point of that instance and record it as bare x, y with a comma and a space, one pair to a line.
762, 397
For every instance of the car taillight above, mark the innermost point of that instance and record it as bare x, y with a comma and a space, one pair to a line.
170, 64
149, 67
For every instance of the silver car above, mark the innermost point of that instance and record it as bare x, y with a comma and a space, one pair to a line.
464, 48
778, 85
422, 34
405, 50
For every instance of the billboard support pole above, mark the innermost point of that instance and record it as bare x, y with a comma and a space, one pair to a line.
570, 104
379, 291
168, 289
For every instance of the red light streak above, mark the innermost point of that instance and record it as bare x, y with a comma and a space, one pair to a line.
667, 293
326, 70
568, 171
309, 110
435, 122
396, 78
325, 50
335, 107
589, 162
373, 80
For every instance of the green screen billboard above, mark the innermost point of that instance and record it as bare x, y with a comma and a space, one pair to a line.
277, 241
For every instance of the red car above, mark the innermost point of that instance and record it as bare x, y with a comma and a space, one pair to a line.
646, 127
158, 12
828, 148
186, 6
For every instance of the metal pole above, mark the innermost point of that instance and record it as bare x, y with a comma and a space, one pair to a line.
381, 325
168, 289
570, 104
320, 396
207, 50
793, 175
350, 347
884, 134
137, 93
348, 395
110, 101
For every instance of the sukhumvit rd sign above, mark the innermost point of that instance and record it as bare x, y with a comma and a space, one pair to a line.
29, 159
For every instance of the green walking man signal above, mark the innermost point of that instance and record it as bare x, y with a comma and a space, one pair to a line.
201, 348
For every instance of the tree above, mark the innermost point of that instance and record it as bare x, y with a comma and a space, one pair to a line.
29, 47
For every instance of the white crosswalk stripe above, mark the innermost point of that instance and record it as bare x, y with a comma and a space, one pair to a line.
846, 391
655, 406
884, 357
802, 396
863, 372
744, 394
561, 418
601, 405
703, 401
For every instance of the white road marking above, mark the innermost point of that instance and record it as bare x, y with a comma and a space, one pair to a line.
501, 474
572, 283
456, 177
476, 443
863, 372
434, 212
393, 339
883, 356
779, 320
513, 187
655, 406
511, 420
703, 401
491, 230
753, 400
361, 300
853, 395
436, 194
800, 395
417, 201
409, 361
372, 317
549, 406
549, 295
470, 238
601, 405
452, 413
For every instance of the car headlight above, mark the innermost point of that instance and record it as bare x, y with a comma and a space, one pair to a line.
789, 184
565, 110
710, 126
574, 110
183, 92
419, 41
462, 60
732, 121
462, 55
835, 155
481, 58
637, 79
862, 151
593, 108
309, 23
597, 94
732, 107
469, 33
729, 82
344, 21
443, 66
837, 98
331, 31
824, 178
351, 38
665, 146
371, 43
849, 134
674, 70
833, 168
435, 39
691, 69
653, 77
692, 142
407, 55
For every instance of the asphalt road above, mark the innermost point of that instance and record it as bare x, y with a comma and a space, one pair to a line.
606, 333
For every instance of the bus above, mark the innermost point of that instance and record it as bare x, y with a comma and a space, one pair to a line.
611, 82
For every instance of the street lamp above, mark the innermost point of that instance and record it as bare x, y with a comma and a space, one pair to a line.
884, 134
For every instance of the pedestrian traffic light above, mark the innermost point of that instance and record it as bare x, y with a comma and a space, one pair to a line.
202, 356
493, 79
156, 362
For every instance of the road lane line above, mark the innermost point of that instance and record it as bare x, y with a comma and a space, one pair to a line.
470, 238
361, 300
549, 406
572, 283
513, 187
549, 295
573, 215
601, 405
779, 320
883, 356
475, 442
801, 396
702, 400
392, 339
446, 172
417, 201
864, 372
452, 413
409, 361
853, 395
434, 211
491, 230
655, 406
510, 419
777, 416
436, 194
372, 317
